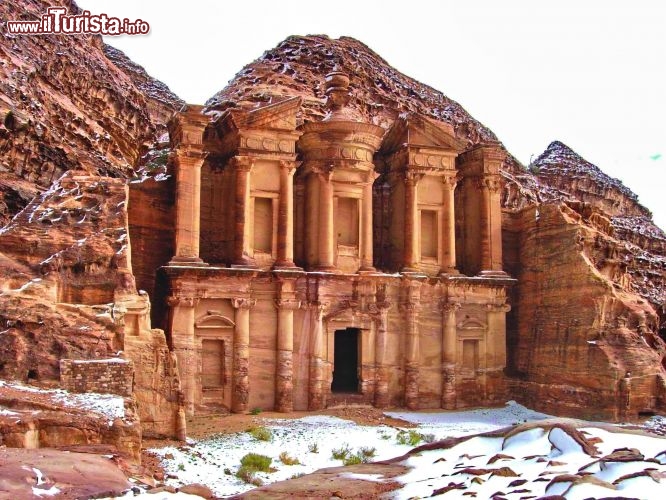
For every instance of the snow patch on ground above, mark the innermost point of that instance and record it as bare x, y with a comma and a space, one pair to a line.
215, 460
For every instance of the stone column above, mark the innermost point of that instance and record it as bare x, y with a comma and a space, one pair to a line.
182, 335
243, 166
448, 237
326, 237
188, 196
285, 257
493, 187
284, 387
449, 354
366, 225
316, 397
312, 221
411, 244
240, 376
410, 309
491, 224
484, 225
381, 348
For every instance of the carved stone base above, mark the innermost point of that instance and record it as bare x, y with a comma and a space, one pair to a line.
449, 387
241, 386
381, 387
187, 261
284, 387
317, 396
412, 387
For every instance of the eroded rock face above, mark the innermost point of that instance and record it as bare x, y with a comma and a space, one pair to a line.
70, 105
44, 473
68, 292
582, 342
65, 104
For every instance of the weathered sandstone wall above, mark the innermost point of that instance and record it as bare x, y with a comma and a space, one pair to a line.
579, 342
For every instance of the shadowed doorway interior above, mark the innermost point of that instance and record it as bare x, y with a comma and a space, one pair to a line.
345, 361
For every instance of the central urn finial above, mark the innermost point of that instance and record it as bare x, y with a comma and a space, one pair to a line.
337, 91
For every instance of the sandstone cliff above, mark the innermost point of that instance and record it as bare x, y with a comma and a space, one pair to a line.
77, 118
643, 244
67, 102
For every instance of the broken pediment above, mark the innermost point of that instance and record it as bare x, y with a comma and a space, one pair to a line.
279, 115
269, 129
415, 130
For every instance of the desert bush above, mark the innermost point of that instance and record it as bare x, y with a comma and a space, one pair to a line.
356, 458
341, 453
411, 438
288, 460
257, 462
313, 448
260, 433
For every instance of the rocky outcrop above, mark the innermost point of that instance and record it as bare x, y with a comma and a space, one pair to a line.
31, 417
581, 343
161, 101
77, 118
68, 103
68, 292
296, 66
573, 177
60, 474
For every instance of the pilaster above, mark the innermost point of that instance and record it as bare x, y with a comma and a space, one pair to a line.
240, 379
449, 354
284, 388
285, 257
242, 166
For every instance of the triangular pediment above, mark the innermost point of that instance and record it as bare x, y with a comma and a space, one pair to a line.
275, 116
415, 130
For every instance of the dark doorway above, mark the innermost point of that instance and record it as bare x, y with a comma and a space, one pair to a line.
345, 361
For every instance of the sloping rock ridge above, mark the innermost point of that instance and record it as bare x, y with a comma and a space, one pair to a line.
64, 104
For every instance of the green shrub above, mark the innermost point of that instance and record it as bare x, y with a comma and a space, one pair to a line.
356, 458
255, 411
261, 433
247, 475
341, 453
313, 448
411, 438
368, 452
257, 462
287, 460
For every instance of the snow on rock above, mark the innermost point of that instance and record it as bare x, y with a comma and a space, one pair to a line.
109, 405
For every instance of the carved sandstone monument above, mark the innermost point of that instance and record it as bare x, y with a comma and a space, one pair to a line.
334, 257
323, 230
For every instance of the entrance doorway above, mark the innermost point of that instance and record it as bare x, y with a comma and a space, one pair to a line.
345, 360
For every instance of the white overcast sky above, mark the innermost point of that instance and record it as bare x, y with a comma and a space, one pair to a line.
589, 73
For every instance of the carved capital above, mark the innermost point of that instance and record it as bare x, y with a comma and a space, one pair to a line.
290, 166
505, 308
450, 181
242, 303
413, 177
242, 163
449, 307
411, 307
290, 304
493, 183
173, 301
